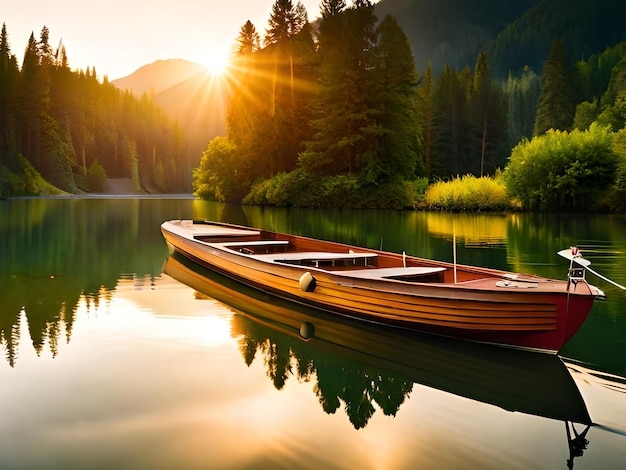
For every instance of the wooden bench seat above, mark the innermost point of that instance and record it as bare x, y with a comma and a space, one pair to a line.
315, 258
391, 273
255, 243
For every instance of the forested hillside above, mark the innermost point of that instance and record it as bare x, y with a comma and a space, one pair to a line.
586, 27
74, 130
346, 111
344, 117
189, 95
452, 32
515, 34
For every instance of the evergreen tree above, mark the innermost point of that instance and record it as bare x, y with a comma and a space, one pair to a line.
522, 94
248, 40
489, 117
287, 23
450, 153
395, 130
252, 128
245, 110
44, 49
324, 149
9, 75
427, 100
557, 101
52, 115
30, 103
481, 101
342, 104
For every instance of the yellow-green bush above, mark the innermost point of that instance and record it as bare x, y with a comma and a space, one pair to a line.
467, 193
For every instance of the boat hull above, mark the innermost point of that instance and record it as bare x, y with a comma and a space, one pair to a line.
517, 381
479, 304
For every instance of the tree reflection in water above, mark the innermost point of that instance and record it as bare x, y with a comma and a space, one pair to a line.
45, 305
363, 367
337, 381
55, 253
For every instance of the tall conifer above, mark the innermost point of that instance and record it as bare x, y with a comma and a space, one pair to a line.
394, 130
556, 105
9, 74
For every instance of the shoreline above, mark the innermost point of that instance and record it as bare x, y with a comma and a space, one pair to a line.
106, 196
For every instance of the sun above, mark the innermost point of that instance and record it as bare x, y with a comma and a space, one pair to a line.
216, 61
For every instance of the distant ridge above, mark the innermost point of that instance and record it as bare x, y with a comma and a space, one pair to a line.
187, 93
158, 76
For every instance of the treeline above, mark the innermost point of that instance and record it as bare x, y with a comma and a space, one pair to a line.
340, 116
74, 131
346, 118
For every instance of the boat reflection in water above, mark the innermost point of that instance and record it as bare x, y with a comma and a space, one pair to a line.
360, 363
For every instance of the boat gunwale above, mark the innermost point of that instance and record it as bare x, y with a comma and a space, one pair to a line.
344, 277
282, 280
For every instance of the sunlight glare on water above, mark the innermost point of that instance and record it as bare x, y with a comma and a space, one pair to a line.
180, 317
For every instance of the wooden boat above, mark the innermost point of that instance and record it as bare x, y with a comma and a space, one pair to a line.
514, 380
473, 303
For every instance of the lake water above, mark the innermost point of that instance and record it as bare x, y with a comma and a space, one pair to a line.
110, 362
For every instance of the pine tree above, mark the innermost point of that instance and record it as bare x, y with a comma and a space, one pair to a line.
394, 132
342, 105
522, 93
9, 75
427, 100
481, 98
489, 115
248, 40
30, 99
451, 126
287, 22
557, 101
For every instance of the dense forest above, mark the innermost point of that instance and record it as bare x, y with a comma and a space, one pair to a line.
516, 34
340, 115
335, 112
73, 131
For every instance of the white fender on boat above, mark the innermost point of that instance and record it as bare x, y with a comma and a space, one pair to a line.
307, 282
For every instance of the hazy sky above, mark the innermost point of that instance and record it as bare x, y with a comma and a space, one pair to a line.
119, 36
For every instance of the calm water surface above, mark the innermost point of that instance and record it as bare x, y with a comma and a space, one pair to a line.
116, 356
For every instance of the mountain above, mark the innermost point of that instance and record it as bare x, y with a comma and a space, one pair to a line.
451, 31
514, 33
587, 28
158, 76
187, 93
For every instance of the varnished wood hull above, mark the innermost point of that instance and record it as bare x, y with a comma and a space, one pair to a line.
466, 302
520, 381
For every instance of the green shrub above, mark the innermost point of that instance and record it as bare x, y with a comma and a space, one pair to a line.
25, 182
619, 146
5, 182
96, 177
301, 189
560, 170
284, 189
221, 174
